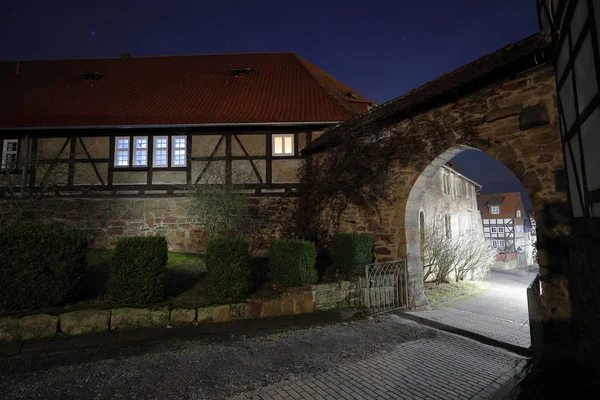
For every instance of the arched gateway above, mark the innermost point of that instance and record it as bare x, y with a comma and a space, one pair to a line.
509, 98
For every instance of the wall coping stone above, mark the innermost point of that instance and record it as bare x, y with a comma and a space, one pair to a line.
295, 300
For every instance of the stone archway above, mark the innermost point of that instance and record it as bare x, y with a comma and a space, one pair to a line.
412, 224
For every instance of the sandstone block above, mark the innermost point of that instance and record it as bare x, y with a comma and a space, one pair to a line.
220, 313
287, 307
253, 309
135, 318
271, 308
82, 322
40, 326
182, 316
503, 112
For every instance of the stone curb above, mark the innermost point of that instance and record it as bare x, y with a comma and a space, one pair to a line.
523, 351
73, 323
189, 332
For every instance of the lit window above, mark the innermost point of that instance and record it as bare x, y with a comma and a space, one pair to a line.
283, 145
161, 151
518, 213
9, 153
495, 210
122, 152
141, 152
179, 154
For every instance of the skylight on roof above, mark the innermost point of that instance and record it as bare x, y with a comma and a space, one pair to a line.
241, 72
91, 76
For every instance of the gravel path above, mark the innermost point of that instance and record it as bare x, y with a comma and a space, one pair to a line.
216, 369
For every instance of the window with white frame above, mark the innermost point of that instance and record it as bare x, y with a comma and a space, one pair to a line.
500, 229
494, 230
283, 145
9, 153
495, 210
122, 152
498, 243
140, 155
446, 182
518, 213
161, 151
179, 157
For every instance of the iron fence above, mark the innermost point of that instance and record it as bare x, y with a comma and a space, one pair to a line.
386, 286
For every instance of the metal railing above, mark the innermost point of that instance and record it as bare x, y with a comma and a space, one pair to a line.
534, 304
386, 286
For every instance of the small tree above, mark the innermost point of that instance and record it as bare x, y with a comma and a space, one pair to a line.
222, 209
460, 256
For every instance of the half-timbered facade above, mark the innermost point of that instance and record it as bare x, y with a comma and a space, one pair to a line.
119, 142
155, 125
506, 225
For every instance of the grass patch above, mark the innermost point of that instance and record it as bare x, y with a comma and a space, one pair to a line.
185, 271
440, 292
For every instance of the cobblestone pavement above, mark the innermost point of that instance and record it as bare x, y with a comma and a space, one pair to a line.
499, 312
378, 358
496, 328
447, 367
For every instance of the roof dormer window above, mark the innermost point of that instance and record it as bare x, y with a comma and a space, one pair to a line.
241, 72
494, 210
352, 95
91, 76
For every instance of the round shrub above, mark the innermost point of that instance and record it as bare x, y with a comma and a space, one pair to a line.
228, 266
351, 252
292, 262
42, 265
138, 270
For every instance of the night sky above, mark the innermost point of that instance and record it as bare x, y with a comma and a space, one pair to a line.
382, 49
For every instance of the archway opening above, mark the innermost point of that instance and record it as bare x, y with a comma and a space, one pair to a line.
471, 228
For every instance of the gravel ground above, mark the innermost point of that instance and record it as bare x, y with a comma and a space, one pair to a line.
201, 369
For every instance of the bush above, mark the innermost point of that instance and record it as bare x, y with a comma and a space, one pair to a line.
292, 262
42, 265
138, 270
228, 266
351, 252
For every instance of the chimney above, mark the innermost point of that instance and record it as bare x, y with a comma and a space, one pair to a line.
18, 67
125, 55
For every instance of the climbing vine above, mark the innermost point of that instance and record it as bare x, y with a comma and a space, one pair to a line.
364, 169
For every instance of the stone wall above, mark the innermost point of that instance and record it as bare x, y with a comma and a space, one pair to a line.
106, 219
532, 152
298, 300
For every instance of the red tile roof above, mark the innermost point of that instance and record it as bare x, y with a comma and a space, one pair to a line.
511, 202
504, 62
199, 89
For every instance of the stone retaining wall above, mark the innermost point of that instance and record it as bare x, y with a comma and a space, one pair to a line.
298, 300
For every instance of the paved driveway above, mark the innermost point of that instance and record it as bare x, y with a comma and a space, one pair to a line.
379, 358
499, 312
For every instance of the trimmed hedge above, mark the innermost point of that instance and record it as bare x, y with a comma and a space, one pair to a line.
138, 270
228, 266
351, 252
292, 262
42, 265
